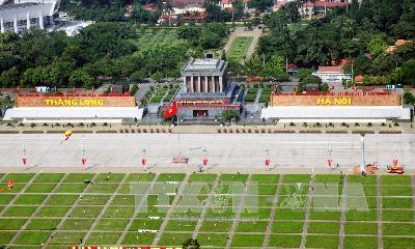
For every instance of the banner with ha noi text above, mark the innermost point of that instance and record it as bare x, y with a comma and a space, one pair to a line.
75, 101
335, 100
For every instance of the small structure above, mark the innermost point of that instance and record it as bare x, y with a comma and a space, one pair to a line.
206, 91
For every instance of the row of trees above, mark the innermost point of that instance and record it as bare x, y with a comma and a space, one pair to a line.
116, 11
99, 52
360, 33
102, 51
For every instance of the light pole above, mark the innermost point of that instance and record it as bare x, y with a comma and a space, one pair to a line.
144, 159
363, 163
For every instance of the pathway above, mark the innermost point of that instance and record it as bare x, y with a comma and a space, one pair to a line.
67, 215
343, 212
206, 207
171, 209
137, 210
104, 209
379, 211
308, 208
38, 208
238, 214
272, 216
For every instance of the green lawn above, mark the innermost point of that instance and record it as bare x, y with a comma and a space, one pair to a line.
82, 208
156, 37
239, 48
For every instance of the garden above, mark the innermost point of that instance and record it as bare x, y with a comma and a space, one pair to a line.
239, 48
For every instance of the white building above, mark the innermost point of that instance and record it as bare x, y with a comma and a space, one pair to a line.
333, 74
19, 15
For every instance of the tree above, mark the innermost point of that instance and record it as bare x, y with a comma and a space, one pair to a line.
191, 244
408, 69
408, 98
404, 30
300, 88
377, 45
81, 78
209, 40
9, 77
228, 115
325, 88
260, 5
303, 73
253, 65
312, 79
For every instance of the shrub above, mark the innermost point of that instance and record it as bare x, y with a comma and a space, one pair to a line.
57, 124
356, 124
305, 124
105, 124
396, 124
383, 124
81, 124
292, 124
21, 125
318, 124
32, 125
93, 124
369, 124
45, 124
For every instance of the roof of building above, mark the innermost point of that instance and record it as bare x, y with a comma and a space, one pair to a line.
186, 3
9, 11
336, 68
336, 112
358, 78
73, 113
205, 66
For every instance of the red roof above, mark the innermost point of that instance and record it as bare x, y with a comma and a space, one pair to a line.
330, 5
358, 78
292, 66
149, 6
337, 68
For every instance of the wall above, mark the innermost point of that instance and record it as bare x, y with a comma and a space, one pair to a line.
336, 100
75, 101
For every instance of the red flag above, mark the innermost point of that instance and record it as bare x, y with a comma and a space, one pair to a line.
329, 162
143, 162
171, 111
84, 161
24, 160
331, 88
267, 162
205, 161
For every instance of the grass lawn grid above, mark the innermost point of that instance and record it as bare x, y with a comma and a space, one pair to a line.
286, 229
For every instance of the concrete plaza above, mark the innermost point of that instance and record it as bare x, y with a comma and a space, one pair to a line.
226, 152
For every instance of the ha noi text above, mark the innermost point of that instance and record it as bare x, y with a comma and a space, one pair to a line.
378, 99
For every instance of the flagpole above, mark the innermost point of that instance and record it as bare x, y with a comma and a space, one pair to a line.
24, 154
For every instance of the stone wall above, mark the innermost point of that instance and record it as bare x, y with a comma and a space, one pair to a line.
336, 100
